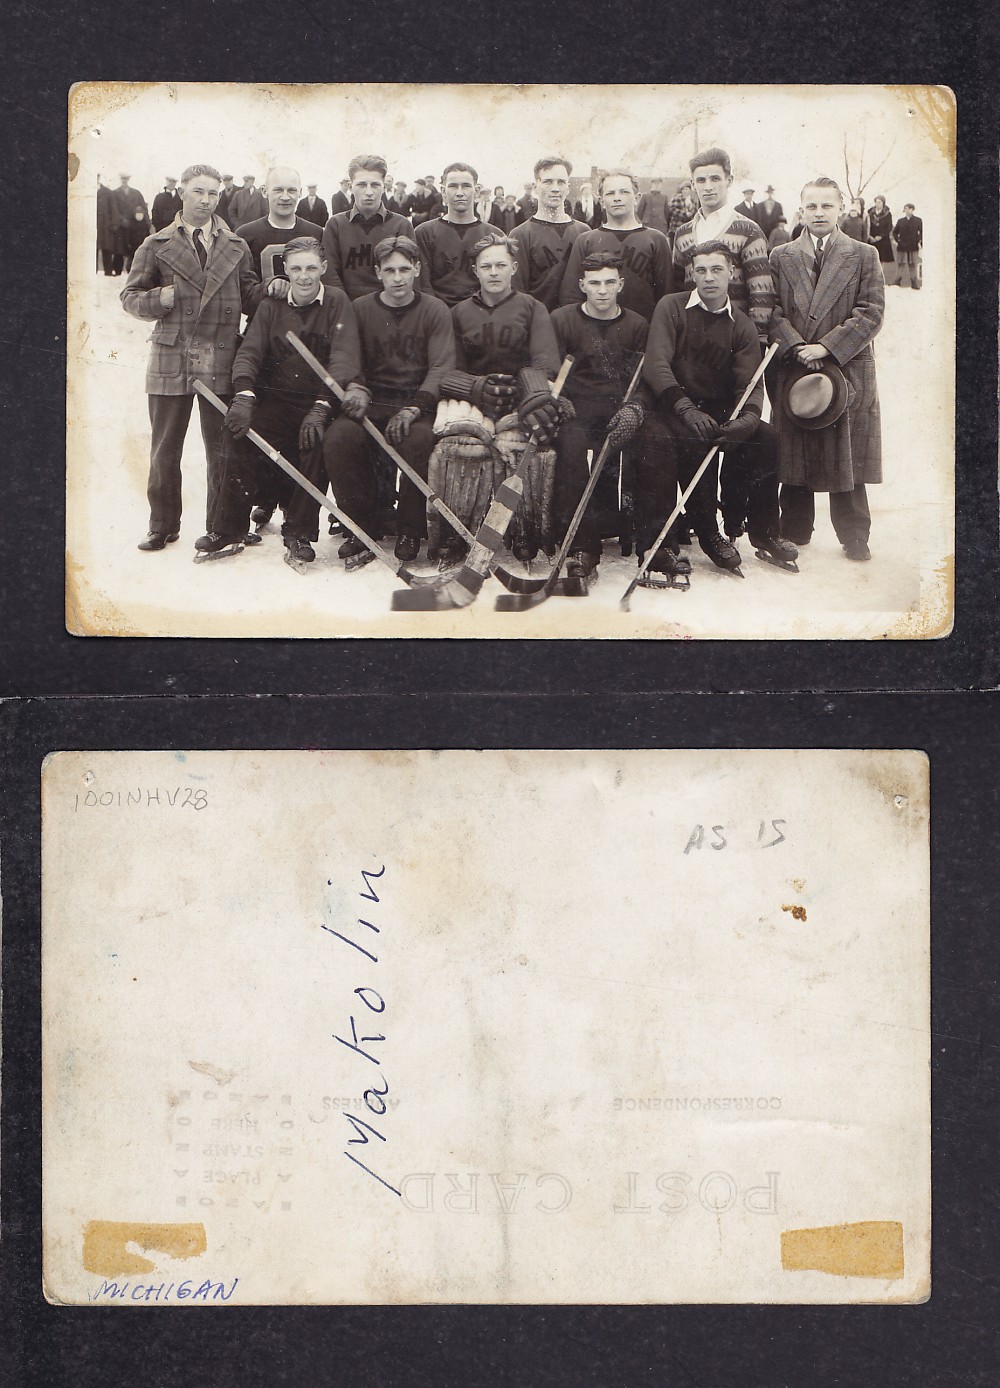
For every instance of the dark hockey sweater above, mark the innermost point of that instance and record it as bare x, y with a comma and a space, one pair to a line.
405, 351
709, 357
446, 258
514, 333
267, 243
266, 359
349, 242
646, 267
542, 248
606, 351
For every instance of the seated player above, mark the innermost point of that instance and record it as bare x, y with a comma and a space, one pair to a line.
606, 342
407, 347
506, 359
645, 252
279, 396
446, 242
700, 356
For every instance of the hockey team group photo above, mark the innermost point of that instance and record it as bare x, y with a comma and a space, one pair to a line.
455, 361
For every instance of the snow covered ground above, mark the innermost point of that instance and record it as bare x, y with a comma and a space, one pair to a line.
114, 589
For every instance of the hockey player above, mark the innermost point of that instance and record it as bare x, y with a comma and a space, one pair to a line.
606, 342
545, 239
192, 279
268, 236
276, 394
350, 238
751, 286
407, 347
645, 252
446, 242
701, 354
506, 358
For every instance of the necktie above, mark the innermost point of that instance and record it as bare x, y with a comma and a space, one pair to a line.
199, 246
818, 264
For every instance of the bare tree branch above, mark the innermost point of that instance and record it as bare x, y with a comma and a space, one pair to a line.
879, 166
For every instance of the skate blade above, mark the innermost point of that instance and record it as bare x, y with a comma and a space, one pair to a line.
228, 553
299, 565
358, 561
789, 565
679, 582
254, 538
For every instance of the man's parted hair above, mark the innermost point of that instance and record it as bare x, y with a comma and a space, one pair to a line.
822, 182
403, 244
507, 243
303, 243
460, 168
201, 171
549, 161
713, 248
617, 173
601, 260
712, 156
367, 161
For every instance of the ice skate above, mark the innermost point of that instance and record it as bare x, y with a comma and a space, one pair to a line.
299, 553
774, 550
216, 546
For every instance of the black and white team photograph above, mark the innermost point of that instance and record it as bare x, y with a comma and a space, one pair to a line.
475, 361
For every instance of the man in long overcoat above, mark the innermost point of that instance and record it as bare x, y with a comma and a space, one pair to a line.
133, 215
831, 300
193, 279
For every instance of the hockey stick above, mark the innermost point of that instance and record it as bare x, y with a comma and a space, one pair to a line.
686, 494
465, 587
399, 568
405, 468
531, 592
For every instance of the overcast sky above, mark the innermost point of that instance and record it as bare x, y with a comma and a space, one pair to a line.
778, 135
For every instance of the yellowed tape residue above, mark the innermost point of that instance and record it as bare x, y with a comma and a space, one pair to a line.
105, 1245
873, 1248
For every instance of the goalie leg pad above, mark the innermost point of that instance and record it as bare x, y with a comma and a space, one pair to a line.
533, 526
461, 474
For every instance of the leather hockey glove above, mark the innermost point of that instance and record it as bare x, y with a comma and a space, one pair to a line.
625, 424
239, 416
355, 403
702, 425
492, 394
313, 427
539, 410
738, 430
401, 423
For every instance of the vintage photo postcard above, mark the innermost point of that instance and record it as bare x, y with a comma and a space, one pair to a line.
485, 1027
496, 361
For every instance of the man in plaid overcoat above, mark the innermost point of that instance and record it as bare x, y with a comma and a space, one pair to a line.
831, 300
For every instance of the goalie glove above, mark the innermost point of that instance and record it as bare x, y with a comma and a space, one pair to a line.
625, 424
493, 394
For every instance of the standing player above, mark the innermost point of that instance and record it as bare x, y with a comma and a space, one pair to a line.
644, 251
350, 238
545, 239
268, 236
407, 347
606, 342
192, 279
506, 359
276, 394
446, 243
701, 354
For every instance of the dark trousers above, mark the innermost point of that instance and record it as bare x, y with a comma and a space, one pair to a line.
168, 417
248, 477
848, 511
656, 476
111, 264
749, 487
352, 463
574, 439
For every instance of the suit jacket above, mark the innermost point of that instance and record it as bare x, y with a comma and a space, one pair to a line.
246, 205
908, 234
767, 220
339, 203
843, 311
746, 209
196, 338
318, 216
